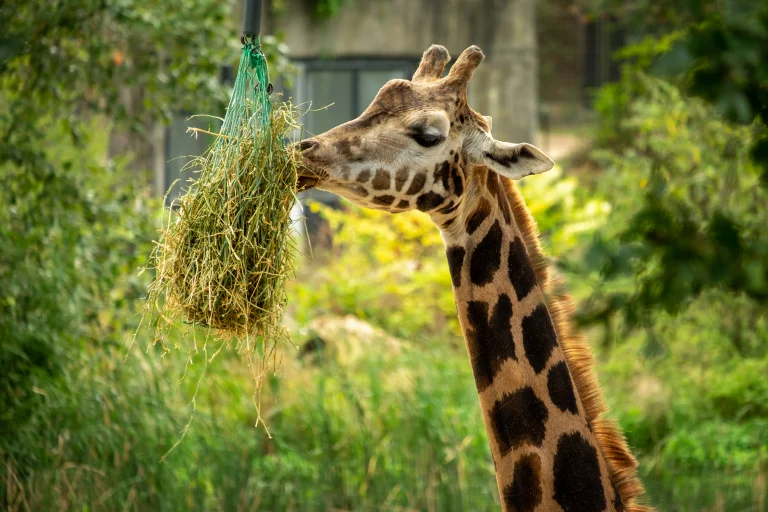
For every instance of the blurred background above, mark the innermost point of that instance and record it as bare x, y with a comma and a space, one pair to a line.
657, 216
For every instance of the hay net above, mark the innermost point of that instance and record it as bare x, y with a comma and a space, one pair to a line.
228, 247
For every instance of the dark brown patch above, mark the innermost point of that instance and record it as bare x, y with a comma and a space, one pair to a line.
458, 181
417, 184
560, 388
384, 200
456, 158
578, 487
504, 207
489, 340
400, 178
539, 338
494, 187
429, 201
520, 270
478, 216
524, 493
448, 222
364, 176
455, 262
343, 147
486, 257
492, 184
526, 153
381, 180
461, 118
442, 173
403, 204
517, 419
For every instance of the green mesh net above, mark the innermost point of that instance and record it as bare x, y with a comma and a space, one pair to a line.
250, 102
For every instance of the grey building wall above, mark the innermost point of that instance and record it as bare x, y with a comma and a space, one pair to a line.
505, 85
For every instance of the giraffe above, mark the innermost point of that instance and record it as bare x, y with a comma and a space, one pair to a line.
419, 145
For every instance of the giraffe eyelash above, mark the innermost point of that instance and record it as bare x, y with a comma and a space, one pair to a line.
427, 140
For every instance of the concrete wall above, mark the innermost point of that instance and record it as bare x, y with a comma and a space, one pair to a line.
505, 85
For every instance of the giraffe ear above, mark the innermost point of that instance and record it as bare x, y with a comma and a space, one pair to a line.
514, 161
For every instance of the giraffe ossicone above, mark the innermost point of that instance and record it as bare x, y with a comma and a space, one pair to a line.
420, 146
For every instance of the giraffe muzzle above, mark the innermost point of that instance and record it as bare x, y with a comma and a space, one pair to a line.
309, 175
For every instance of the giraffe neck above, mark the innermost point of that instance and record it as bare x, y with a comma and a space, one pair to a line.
543, 446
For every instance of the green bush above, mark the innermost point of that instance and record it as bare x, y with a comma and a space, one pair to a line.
687, 211
71, 242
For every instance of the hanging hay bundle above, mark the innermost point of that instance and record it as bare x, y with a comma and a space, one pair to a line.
224, 258
228, 248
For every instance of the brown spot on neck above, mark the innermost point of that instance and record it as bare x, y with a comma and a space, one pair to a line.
493, 184
381, 180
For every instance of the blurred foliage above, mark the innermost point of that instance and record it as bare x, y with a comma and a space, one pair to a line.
660, 16
688, 212
71, 237
136, 62
388, 432
695, 399
71, 58
686, 157
394, 268
684, 253
717, 51
71, 243
724, 60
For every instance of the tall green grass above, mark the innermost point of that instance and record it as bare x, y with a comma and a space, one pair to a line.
389, 431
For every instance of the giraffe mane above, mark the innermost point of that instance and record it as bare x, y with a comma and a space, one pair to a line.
622, 465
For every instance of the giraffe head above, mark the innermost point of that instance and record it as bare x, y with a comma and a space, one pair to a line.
418, 144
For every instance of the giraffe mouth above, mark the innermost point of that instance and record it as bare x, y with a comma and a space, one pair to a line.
308, 178
305, 182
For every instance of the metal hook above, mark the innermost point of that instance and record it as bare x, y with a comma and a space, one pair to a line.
248, 39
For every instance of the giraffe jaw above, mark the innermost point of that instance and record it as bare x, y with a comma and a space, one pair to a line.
305, 182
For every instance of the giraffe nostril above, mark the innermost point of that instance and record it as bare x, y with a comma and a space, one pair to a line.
306, 145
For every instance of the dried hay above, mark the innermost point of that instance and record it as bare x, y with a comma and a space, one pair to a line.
228, 247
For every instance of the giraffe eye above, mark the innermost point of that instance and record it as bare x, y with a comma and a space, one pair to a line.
428, 140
